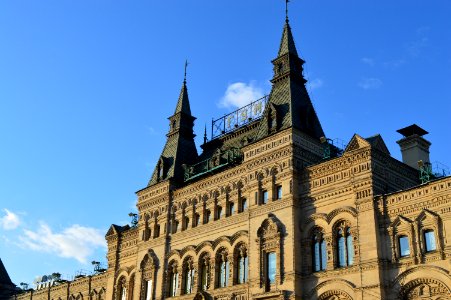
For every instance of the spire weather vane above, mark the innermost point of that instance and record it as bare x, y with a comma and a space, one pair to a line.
186, 66
286, 10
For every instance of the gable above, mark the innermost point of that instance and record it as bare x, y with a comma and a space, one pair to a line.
357, 142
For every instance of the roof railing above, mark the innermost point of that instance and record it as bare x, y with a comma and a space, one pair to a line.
239, 118
219, 160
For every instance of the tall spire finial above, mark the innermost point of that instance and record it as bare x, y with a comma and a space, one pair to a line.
186, 66
286, 10
205, 133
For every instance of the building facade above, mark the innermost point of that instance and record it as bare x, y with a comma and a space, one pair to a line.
271, 209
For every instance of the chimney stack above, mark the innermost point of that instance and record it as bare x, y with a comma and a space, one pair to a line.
413, 146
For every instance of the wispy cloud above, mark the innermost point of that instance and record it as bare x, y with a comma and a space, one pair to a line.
394, 64
368, 61
315, 83
416, 47
151, 130
76, 241
239, 94
370, 83
10, 220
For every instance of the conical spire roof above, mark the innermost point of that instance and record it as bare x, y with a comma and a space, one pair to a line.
289, 103
183, 101
180, 148
287, 42
4, 277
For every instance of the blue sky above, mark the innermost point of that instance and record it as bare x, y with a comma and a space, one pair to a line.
86, 88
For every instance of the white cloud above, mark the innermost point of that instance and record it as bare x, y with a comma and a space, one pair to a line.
370, 83
315, 83
10, 221
368, 61
76, 241
394, 64
239, 94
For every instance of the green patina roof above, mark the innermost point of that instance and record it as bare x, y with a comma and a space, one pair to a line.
289, 104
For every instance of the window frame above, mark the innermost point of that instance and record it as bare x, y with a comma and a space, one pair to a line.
400, 248
426, 232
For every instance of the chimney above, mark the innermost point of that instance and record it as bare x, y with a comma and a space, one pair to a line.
413, 146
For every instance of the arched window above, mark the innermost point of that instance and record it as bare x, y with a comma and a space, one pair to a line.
101, 295
131, 286
345, 246
148, 273
223, 268
429, 240
204, 272
173, 280
188, 276
122, 289
319, 251
242, 265
404, 248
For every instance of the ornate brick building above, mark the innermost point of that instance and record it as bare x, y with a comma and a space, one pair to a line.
271, 209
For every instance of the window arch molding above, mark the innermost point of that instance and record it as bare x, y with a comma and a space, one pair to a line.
319, 244
428, 221
204, 277
240, 263
344, 238
173, 278
223, 263
121, 288
270, 248
148, 270
401, 227
188, 278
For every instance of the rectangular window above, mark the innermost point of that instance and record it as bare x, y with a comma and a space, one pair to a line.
231, 208
278, 192
218, 212
157, 230
246, 269
204, 277
264, 196
341, 252
404, 249
149, 290
316, 256
271, 267
323, 255
243, 204
174, 286
429, 240
124, 294
207, 217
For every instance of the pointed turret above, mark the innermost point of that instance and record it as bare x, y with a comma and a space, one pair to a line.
289, 103
7, 287
180, 148
287, 42
183, 102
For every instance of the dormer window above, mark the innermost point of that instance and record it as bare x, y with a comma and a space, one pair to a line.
160, 169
